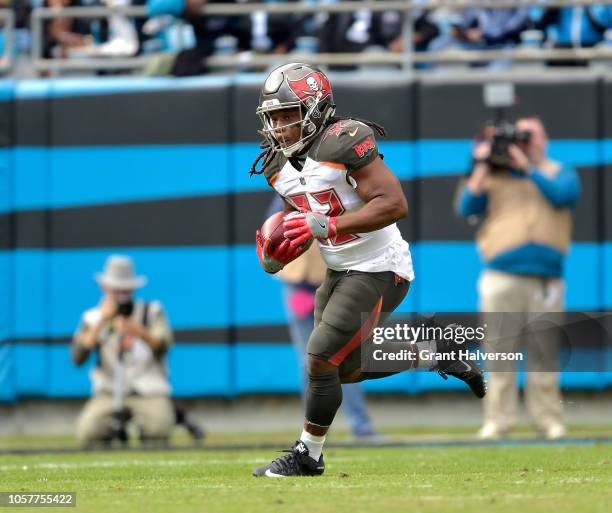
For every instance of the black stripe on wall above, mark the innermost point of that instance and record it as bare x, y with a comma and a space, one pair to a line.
193, 221
607, 107
205, 220
451, 109
31, 118
438, 220
272, 333
444, 109
587, 220
185, 116
6, 123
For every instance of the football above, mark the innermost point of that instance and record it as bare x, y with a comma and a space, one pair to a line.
273, 230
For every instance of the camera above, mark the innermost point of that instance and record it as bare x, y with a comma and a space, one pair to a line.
125, 306
502, 134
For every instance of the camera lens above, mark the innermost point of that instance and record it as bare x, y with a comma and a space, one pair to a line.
125, 306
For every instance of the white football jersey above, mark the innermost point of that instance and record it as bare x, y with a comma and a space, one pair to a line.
326, 187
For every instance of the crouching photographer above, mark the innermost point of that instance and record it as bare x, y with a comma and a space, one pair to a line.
130, 381
524, 201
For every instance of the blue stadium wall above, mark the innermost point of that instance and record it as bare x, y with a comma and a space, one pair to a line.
158, 169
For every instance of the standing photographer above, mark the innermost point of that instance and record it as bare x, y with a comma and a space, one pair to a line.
130, 379
524, 200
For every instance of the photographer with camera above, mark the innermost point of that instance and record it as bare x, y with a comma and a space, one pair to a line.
524, 201
130, 381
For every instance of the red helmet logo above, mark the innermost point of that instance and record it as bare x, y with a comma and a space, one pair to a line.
313, 86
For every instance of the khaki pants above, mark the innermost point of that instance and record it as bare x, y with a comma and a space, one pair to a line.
154, 417
503, 292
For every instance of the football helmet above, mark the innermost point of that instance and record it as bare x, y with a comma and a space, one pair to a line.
296, 85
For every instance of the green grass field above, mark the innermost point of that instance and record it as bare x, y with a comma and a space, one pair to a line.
523, 479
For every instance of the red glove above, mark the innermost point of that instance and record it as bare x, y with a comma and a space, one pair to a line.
301, 227
273, 260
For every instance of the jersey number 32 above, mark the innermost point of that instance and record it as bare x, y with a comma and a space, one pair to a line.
335, 208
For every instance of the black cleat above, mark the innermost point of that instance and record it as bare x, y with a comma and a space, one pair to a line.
295, 463
467, 371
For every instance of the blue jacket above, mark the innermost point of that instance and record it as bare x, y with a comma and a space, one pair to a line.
532, 258
574, 26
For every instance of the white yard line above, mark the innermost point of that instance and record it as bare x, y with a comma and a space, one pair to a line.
499, 496
129, 463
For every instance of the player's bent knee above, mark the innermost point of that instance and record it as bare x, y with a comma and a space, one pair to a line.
318, 365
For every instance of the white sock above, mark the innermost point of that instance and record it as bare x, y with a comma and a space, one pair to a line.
426, 345
314, 444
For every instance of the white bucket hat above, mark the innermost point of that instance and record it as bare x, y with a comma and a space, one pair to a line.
119, 274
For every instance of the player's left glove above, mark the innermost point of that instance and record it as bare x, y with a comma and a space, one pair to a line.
274, 259
300, 227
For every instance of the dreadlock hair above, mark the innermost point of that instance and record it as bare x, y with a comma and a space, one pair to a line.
267, 155
268, 152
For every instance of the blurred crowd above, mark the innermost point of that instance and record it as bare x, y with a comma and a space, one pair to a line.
181, 39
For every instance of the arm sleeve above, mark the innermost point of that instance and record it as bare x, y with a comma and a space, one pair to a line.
472, 204
159, 327
563, 190
79, 352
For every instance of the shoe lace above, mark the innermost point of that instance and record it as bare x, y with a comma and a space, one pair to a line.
287, 462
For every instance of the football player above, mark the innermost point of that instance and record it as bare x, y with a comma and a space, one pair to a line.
337, 190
